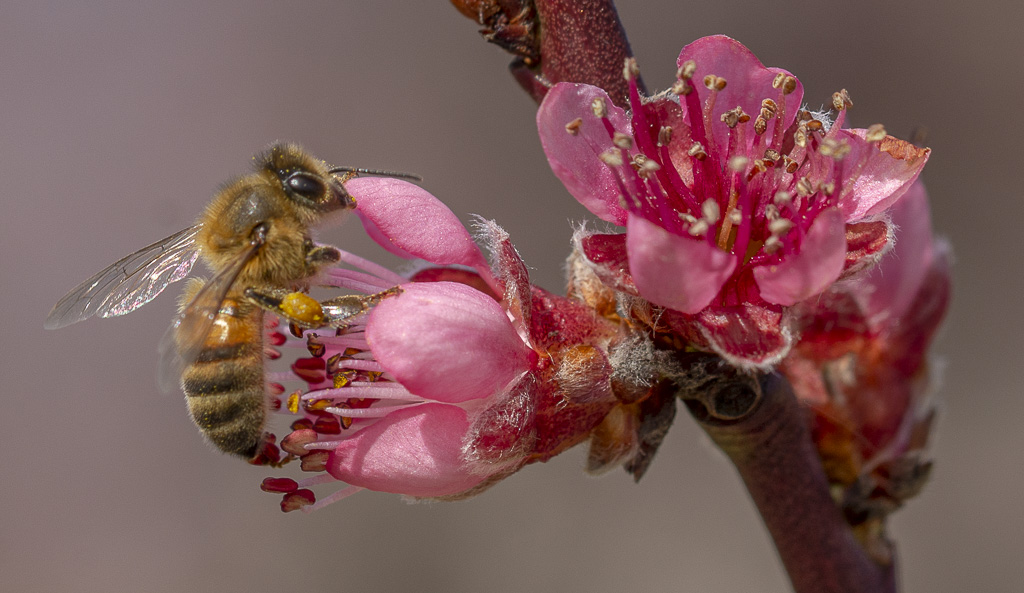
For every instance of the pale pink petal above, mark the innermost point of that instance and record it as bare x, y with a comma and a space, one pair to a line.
681, 273
883, 172
416, 452
805, 274
889, 288
447, 342
748, 81
408, 221
574, 157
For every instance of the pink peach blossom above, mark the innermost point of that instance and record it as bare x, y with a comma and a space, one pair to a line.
445, 386
737, 204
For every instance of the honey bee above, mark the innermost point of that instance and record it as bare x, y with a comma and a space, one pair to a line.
255, 237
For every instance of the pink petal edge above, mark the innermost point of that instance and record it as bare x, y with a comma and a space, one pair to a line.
416, 452
574, 158
681, 273
748, 81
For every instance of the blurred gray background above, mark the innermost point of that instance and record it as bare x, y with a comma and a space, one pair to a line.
118, 120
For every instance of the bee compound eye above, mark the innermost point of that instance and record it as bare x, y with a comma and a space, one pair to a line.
306, 185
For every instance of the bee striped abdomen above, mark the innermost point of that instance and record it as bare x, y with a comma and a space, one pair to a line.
224, 387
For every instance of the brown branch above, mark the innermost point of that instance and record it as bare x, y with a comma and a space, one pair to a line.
763, 429
557, 41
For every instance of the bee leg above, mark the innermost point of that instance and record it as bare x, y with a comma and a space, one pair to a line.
339, 309
297, 308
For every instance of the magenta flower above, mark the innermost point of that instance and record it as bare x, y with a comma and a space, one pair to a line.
441, 389
737, 204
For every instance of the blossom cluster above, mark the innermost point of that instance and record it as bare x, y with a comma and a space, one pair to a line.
754, 229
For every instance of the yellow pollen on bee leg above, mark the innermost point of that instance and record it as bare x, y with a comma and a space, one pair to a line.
302, 307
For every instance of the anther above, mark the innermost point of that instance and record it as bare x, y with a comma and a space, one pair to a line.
782, 197
687, 217
714, 83
736, 215
648, 167
611, 157
829, 188
697, 151
698, 228
598, 107
834, 148
294, 501
771, 156
800, 136
316, 348
804, 187
738, 163
281, 485
295, 443
771, 212
780, 226
710, 210
791, 164
875, 133
785, 82
573, 127
772, 244
314, 462
735, 116
841, 100
686, 71
681, 87
665, 135
623, 141
815, 125
630, 69
759, 167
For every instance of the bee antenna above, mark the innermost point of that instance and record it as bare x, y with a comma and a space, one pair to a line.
378, 172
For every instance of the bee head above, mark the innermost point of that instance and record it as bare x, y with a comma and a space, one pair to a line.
304, 179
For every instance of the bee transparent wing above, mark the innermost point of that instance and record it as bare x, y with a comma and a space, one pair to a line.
130, 282
183, 341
